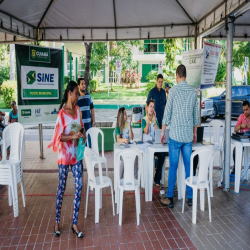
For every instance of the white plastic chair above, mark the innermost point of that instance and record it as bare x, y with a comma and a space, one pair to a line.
206, 158
13, 135
98, 182
215, 126
94, 133
129, 182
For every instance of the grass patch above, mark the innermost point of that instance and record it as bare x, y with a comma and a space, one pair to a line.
125, 94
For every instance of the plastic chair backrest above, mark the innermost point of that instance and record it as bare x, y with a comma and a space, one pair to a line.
88, 155
13, 135
206, 158
128, 156
93, 133
215, 125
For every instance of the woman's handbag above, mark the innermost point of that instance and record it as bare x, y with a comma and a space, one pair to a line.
81, 149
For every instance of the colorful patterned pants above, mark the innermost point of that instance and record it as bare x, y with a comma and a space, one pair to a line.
77, 170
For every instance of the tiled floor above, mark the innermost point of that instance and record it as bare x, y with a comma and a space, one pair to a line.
160, 227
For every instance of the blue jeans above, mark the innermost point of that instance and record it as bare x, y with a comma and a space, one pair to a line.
174, 153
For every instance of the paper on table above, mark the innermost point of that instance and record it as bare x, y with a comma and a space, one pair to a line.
143, 146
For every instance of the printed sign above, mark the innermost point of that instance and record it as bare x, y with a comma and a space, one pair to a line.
39, 82
247, 63
202, 65
118, 66
160, 68
39, 54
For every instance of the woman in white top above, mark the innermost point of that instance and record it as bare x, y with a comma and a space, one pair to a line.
149, 125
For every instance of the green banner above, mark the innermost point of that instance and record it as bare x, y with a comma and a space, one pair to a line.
39, 54
40, 93
39, 83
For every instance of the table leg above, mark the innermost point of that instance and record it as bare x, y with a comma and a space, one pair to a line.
246, 163
238, 160
116, 165
181, 178
150, 174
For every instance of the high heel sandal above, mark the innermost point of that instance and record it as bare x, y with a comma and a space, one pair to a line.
79, 234
57, 233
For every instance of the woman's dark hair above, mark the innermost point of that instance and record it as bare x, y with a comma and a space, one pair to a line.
120, 119
14, 102
70, 87
151, 100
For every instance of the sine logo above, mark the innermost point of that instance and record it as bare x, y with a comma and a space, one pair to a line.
31, 77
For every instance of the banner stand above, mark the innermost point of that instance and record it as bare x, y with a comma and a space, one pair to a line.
41, 140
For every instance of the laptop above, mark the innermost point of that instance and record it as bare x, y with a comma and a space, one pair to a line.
158, 136
200, 132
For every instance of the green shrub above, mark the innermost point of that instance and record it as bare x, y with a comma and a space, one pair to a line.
97, 79
4, 73
92, 86
66, 79
9, 90
151, 84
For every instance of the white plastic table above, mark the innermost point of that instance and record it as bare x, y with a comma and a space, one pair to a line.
238, 161
149, 168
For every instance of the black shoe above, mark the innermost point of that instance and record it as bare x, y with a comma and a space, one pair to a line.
190, 202
168, 202
56, 233
79, 234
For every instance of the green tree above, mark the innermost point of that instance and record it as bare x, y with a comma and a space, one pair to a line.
4, 62
97, 55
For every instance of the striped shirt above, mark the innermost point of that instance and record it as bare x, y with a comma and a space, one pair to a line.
86, 104
181, 112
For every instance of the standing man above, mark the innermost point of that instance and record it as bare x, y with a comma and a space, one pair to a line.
181, 114
167, 88
159, 96
86, 106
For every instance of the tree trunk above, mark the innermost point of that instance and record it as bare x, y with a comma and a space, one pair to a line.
88, 47
110, 67
12, 62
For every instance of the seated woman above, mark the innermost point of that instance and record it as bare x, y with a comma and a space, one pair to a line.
149, 124
13, 115
124, 133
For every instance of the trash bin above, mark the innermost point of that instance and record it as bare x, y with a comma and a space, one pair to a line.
136, 117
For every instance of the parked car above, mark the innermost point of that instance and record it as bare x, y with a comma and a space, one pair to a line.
206, 108
239, 94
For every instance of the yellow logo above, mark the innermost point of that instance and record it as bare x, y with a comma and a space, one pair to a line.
33, 53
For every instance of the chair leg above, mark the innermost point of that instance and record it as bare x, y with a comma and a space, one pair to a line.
202, 199
211, 178
137, 200
112, 196
120, 206
106, 165
183, 202
87, 199
10, 197
97, 205
23, 190
100, 198
194, 212
209, 204
118, 200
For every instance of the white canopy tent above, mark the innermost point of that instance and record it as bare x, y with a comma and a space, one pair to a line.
98, 20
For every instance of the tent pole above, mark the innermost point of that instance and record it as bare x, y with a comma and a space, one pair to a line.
70, 67
227, 149
63, 63
108, 66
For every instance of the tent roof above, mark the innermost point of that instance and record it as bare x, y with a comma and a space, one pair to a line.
98, 20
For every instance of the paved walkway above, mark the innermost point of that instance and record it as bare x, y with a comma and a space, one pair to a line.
160, 227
